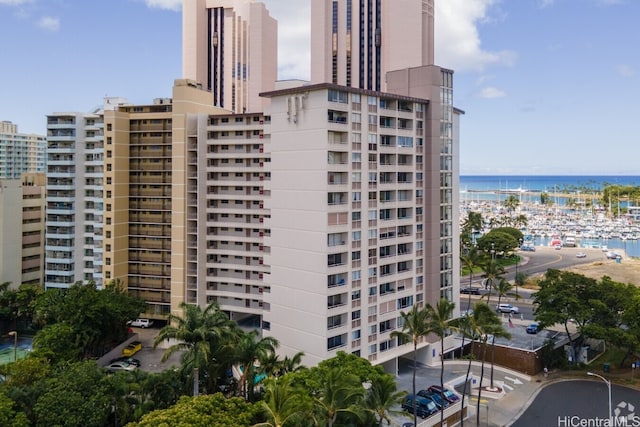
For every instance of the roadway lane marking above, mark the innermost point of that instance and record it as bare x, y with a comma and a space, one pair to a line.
514, 380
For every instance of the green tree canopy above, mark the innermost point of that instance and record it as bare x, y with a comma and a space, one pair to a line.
90, 319
210, 410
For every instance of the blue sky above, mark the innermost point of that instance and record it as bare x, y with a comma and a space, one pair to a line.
548, 86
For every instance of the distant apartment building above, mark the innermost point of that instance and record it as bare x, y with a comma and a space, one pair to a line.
20, 153
230, 48
74, 236
22, 227
356, 43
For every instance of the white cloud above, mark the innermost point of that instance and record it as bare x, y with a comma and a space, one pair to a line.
458, 44
491, 92
625, 70
49, 23
294, 58
164, 4
14, 2
546, 3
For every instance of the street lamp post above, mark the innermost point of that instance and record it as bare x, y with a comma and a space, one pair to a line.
608, 383
15, 344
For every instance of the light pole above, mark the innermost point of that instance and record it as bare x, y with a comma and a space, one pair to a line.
15, 344
608, 383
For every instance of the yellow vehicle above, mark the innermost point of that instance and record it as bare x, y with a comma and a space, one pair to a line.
132, 348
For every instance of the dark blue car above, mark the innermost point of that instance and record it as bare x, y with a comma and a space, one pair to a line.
437, 398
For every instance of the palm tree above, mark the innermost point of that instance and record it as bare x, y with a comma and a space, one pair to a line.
471, 326
503, 288
492, 271
414, 327
272, 365
511, 203
197, 333
292, 364
339, 393
381, 397
488, 325
284, 404
470, 259
249, 350
440, 323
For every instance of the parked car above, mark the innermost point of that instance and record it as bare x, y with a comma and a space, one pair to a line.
448, 394
127, 359
533, 328
141, 323
132, 348
424, 407
470, 290
581, 255
437, 398
120, 366
612, 255
507, 308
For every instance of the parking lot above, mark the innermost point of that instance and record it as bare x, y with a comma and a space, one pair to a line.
150, 358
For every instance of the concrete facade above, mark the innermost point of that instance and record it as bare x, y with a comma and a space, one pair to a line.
355, 43
361, 220
22, 228
74, 199
230, 48
145, 206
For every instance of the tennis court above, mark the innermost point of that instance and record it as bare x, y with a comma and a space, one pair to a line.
8, 353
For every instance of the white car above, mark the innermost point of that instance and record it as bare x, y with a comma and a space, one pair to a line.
141, 323
581, 255
507, 308
612, 255
121, 366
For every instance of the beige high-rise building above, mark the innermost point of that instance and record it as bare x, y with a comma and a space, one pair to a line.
362, 216
319, 215
22, 229
20, 153
356, 43
145, 203
229, 47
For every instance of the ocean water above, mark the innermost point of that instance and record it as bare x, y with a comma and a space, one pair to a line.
543, 182
527, 188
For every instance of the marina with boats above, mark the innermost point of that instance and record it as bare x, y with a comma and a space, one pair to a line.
582, 223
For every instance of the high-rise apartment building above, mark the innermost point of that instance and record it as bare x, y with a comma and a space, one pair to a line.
361, 220
75, 149
230, 48
317, 212
20, 153
332, 210
22, 223
146, 212
357, 42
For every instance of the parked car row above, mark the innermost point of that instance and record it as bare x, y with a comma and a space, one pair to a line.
429, 401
